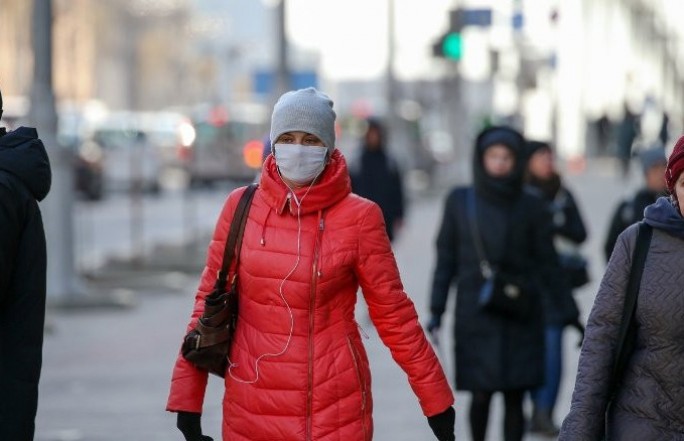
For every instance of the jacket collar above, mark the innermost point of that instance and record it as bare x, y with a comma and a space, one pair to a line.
332, 186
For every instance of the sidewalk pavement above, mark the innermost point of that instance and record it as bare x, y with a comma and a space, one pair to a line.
106, 371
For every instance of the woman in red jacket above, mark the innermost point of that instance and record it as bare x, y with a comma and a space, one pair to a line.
297, 367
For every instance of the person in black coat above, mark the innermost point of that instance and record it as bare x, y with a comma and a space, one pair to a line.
560, 309
494, 352
375, 175
24, 179
628, 131
629, 211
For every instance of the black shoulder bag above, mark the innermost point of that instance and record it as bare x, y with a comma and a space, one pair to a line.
627, 335
503, 293
207, 345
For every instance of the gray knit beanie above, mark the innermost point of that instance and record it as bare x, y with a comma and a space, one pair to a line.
304, 110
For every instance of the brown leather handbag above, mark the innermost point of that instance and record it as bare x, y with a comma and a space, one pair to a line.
207, 345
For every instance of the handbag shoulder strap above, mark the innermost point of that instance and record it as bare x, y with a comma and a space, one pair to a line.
237, 229
471, 208
627, 327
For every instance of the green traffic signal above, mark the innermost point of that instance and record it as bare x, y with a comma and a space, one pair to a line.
452, 46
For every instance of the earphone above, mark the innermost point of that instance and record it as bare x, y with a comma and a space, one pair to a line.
231, 365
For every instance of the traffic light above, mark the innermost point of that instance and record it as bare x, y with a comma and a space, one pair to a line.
450, 44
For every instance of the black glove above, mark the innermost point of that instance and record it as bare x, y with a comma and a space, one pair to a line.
190, 425
433, 328
434, 324
442, 425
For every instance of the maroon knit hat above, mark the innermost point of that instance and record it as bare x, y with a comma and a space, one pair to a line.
675, 165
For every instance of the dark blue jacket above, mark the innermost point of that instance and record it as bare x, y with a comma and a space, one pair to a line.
628, 212
560, 308
376, 176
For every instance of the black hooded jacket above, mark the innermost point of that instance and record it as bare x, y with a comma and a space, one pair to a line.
25, 179
375, 175
627, 213
493, 352
568, 227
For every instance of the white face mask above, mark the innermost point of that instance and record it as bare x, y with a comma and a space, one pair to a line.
298, 163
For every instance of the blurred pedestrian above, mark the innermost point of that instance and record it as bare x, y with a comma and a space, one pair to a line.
653, 163
664, 132
560, 307
375, 175
604, 132
25, 179
649, 397
494, 352
628, 130
297, 367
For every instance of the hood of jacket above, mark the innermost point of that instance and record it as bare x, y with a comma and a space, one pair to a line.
547, 188
331, 186
504, 189
665, 216
23, 155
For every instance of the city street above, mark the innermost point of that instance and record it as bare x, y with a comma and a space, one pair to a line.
176, 101
106, 371
103, 229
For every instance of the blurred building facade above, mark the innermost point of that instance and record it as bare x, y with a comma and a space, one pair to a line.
588, 61
130, 54
151, 54
555, 68
559, 70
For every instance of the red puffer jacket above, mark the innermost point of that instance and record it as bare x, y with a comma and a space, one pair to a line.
300, 371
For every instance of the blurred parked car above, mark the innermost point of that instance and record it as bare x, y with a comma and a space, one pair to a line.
171, 134
87, 160
129, 160
88, 173
228, 144
139, 148
115, 150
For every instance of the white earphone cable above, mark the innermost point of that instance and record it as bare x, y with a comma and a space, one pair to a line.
231, 365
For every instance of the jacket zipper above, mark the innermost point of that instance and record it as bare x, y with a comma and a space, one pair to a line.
312, 305
355, 358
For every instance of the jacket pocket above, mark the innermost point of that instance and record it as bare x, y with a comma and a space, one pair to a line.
356, 359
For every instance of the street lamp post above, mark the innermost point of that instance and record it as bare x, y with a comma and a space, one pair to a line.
282, 74
62, 284
64, 287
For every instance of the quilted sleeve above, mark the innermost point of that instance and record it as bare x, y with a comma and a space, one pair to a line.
590, 397
395, 317
187, 382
